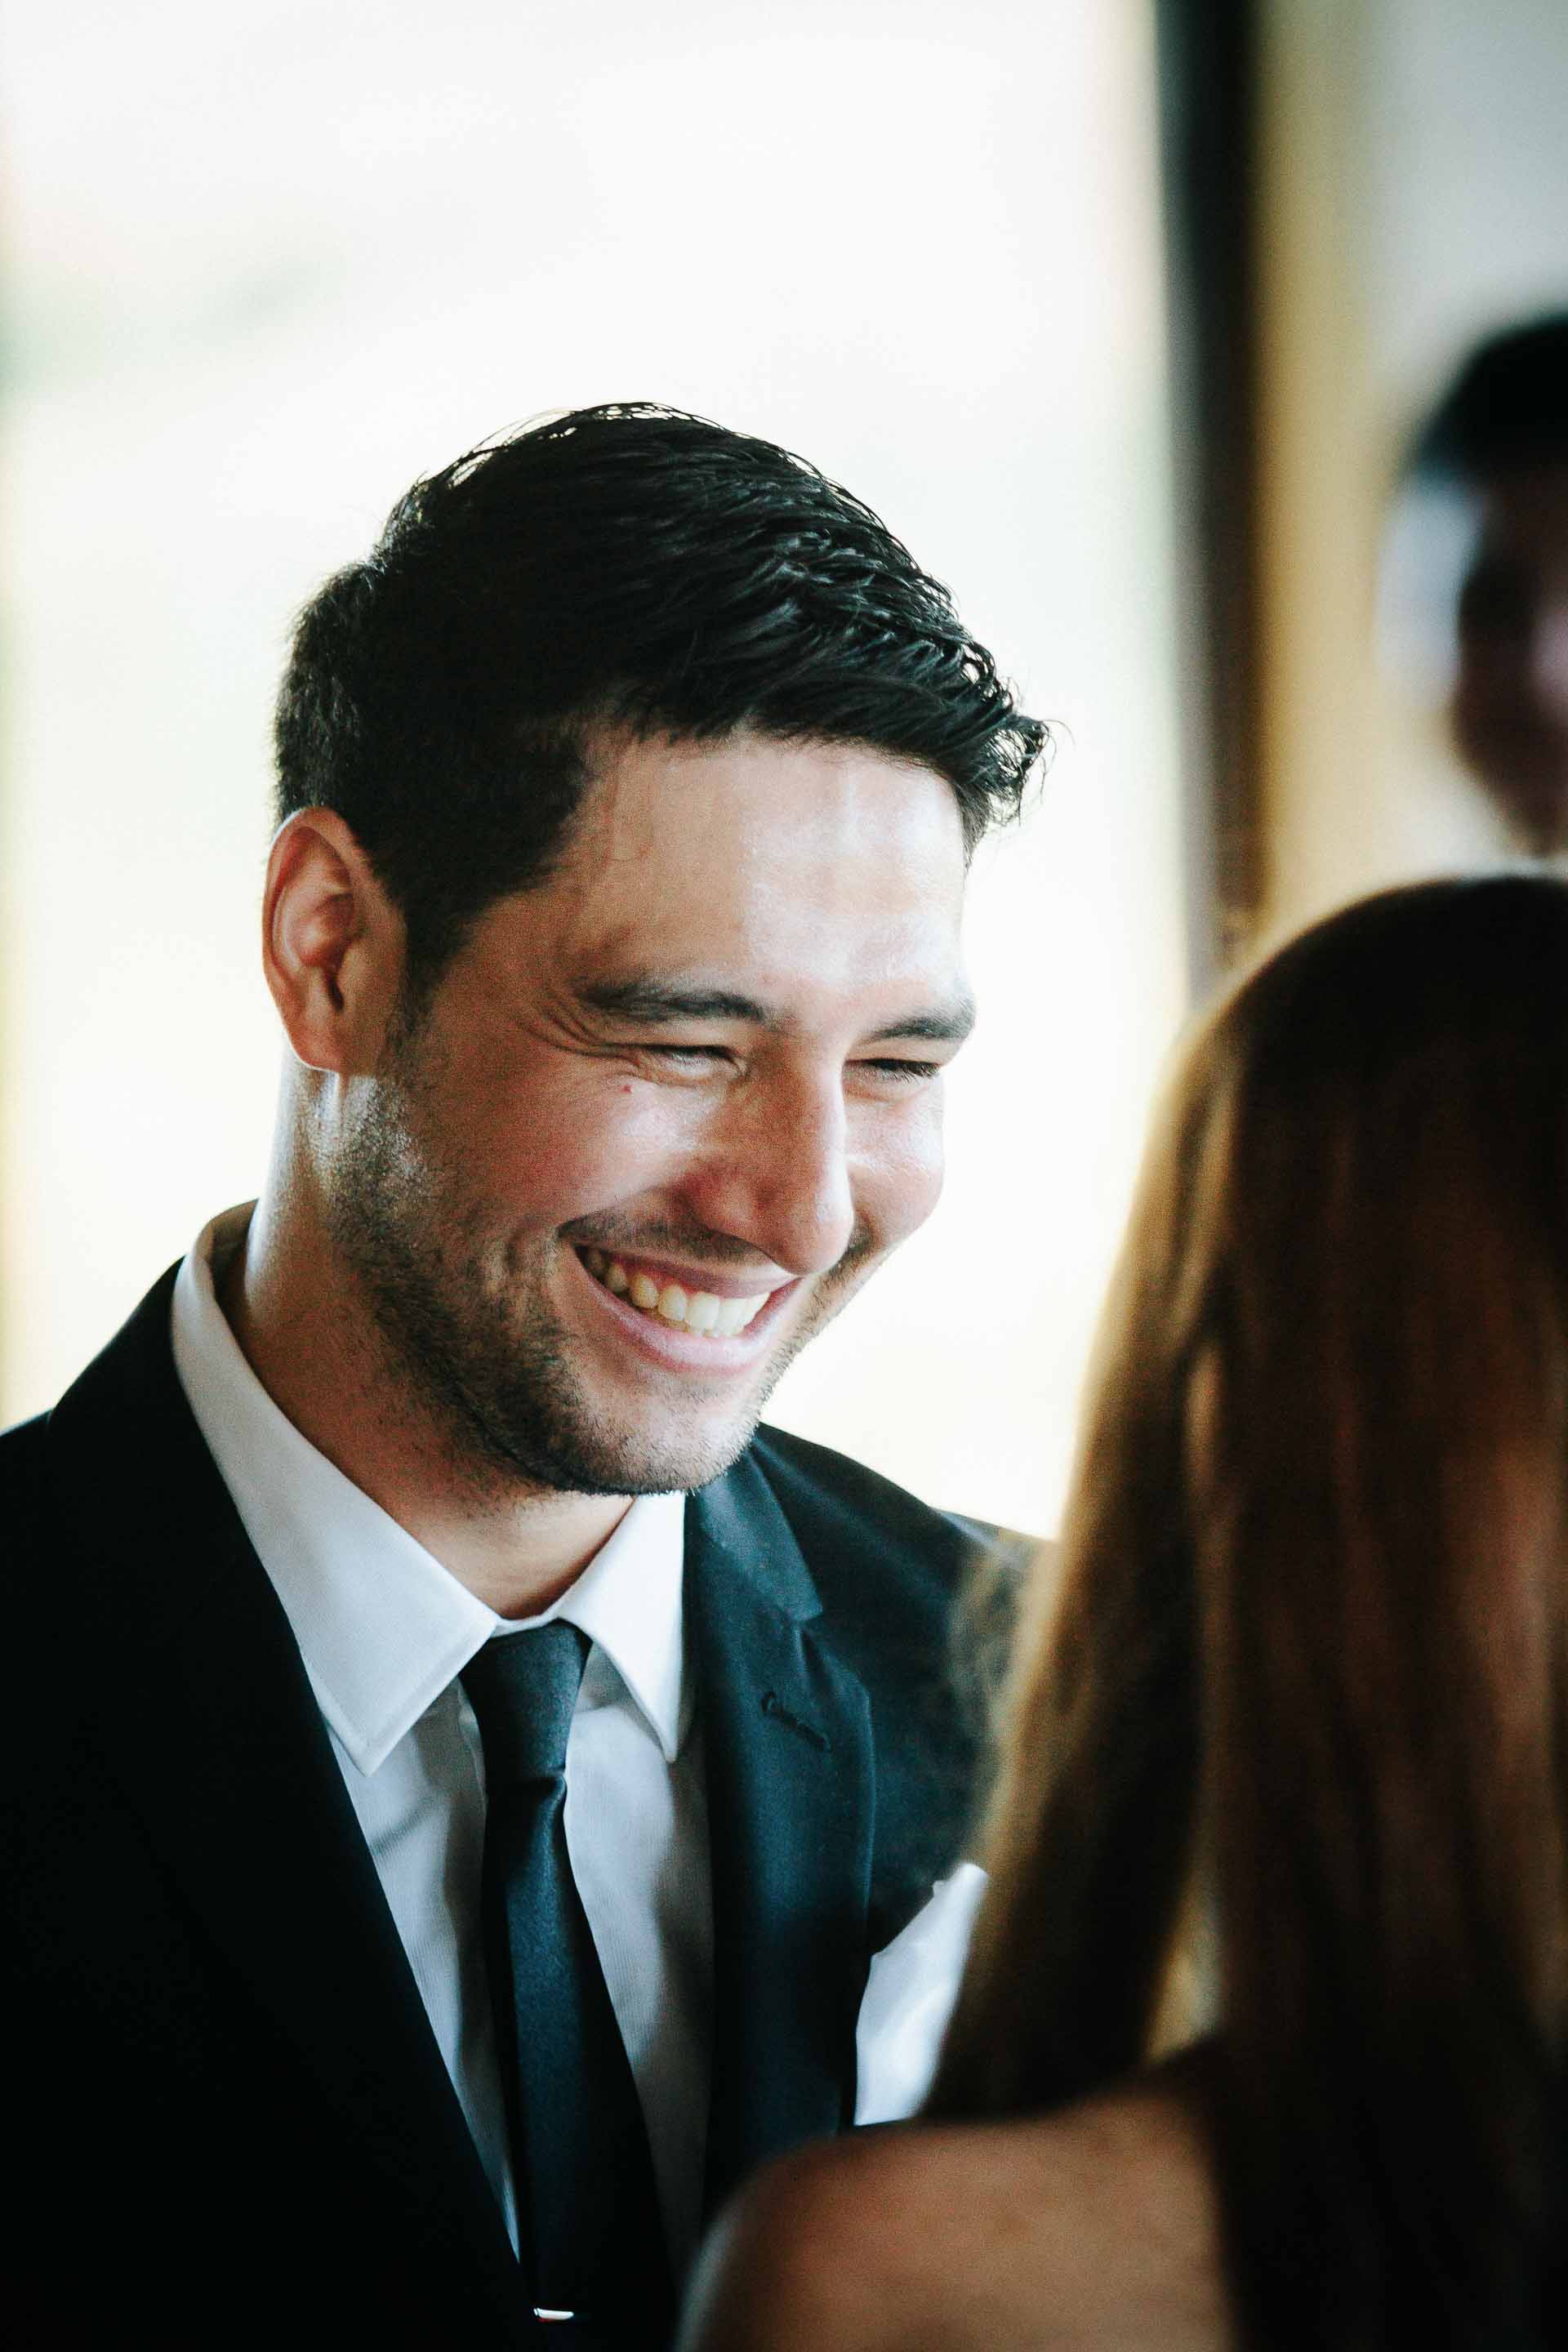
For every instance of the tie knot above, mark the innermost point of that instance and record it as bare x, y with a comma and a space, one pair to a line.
523, 1689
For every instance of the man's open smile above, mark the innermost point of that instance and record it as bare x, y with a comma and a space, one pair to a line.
652, 1289
734, 1332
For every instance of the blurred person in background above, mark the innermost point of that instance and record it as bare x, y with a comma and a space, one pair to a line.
470, 1795
1261, 2040
1477, 577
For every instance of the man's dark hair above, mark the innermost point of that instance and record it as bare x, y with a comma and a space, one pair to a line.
1507, 407
628, 567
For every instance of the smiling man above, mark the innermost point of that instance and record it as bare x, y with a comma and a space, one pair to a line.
495, 1793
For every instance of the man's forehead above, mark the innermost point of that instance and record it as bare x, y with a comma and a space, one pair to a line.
641, 790
834, 850
779, 883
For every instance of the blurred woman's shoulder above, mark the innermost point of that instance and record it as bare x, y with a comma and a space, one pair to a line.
1093, 2226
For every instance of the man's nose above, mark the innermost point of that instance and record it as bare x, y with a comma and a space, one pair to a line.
776, 1175
1549, 659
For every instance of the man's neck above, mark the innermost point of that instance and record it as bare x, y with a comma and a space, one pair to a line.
323, 1362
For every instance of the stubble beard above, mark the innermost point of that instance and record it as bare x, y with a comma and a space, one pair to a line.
483, 1359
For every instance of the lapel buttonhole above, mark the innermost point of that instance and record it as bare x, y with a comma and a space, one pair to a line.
774, 1707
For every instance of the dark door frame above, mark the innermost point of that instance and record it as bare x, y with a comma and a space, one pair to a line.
1209, 112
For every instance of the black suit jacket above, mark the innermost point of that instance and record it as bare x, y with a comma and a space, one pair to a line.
234, 2122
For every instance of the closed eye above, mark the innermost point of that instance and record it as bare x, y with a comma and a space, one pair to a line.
902, 1072
684, 1056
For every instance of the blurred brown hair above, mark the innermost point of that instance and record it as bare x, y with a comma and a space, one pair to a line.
1303, 1677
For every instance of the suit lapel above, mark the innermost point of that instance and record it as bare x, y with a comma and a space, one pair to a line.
790, 1773
203, 1712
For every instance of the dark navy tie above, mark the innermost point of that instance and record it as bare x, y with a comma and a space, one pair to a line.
589, 2235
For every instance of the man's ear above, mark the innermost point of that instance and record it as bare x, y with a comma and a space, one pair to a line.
332, 944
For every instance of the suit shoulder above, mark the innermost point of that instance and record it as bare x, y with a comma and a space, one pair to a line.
828, 1494
927, 1591
916, 1603
22, 1505
22, 1445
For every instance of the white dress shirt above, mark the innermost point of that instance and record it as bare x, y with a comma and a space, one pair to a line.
384, 1631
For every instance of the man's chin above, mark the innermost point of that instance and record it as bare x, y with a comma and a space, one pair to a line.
614, 1427
658, 1439
591, 1445
641, 1467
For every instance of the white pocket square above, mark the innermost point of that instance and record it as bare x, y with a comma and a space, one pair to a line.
909, 1997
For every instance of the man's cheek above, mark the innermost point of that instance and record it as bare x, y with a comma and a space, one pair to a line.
596, 1162
910, 1185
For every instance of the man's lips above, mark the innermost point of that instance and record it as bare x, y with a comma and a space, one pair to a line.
710, 1306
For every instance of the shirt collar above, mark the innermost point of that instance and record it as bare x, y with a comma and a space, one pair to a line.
381, 1626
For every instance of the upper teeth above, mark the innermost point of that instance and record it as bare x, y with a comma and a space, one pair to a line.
697, 1310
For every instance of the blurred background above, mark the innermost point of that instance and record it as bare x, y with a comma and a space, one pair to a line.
1118, 311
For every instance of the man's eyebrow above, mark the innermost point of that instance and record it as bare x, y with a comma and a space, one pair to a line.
941, 1024
639, 997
